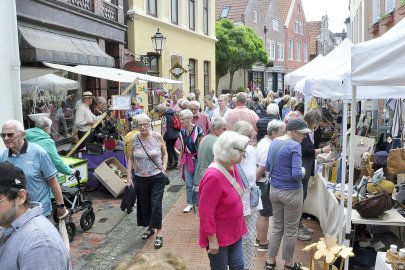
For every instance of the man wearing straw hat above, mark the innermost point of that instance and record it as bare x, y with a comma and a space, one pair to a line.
28, 239
84, 118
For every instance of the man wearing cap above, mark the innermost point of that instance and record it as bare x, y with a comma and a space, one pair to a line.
36, 164
27, 239
84, 118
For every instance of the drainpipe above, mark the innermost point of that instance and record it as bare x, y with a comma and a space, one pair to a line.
10, 92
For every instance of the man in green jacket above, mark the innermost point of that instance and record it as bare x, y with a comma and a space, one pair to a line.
40, 135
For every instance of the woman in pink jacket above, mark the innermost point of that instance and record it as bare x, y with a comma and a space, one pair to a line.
222, 224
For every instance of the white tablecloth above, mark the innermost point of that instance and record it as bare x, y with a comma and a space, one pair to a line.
324, 205
380, 263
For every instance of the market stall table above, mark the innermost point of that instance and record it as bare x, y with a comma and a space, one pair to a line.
380, 263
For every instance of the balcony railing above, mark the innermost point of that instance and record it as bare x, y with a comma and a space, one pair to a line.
110, 11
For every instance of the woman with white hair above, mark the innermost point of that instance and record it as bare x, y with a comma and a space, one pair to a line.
221, 210
148, 162
247, 170
40, 134
190, 137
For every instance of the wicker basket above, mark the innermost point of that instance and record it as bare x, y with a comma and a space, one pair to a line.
373, 206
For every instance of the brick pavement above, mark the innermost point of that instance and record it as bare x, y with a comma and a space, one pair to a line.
180, 236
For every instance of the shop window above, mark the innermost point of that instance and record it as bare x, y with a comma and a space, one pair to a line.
55, 95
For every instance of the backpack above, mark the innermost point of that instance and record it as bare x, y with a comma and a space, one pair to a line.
176, 122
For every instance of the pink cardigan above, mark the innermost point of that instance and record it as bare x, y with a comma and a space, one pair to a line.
220, 209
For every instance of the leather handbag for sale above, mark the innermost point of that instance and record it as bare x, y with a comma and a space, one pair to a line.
373, 206
396, 161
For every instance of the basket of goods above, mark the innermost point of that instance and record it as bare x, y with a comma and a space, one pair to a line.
373, 205
397, 262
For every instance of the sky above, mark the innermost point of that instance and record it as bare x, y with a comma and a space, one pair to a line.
337, 11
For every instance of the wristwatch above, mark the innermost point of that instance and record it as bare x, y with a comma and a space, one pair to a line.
60, 205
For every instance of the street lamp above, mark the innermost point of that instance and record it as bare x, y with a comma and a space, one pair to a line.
158, 42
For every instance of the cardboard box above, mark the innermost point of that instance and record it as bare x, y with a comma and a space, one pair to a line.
109, 179
77, 164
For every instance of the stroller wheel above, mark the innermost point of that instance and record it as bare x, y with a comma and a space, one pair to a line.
71, 230
87, 219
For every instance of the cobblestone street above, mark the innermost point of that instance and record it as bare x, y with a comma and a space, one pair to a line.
180, 235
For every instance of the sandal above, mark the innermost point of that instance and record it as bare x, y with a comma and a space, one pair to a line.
270, 266
158, 242
296, 266
148, 234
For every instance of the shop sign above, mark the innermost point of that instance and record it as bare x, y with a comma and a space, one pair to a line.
177, 70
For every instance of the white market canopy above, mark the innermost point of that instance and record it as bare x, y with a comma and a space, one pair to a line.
112, 74
297, 75
380, 61
49, 81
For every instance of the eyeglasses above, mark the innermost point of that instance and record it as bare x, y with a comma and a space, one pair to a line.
3, 199
242, 150
10, 134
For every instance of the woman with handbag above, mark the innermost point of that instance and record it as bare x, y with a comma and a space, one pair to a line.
284, 164
148, 162
251, 197
313, 119
221, 210
190, 137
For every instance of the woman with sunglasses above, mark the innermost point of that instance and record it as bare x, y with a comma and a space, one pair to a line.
148, 162
220, 204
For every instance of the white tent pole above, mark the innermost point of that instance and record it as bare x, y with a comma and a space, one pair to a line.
343, 171
351, 168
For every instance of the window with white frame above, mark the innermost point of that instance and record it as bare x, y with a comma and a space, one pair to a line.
255, 16
389, 5
291, 50
302, 28
296, 27
151, 7
305, 52
174, 11
280, 51
299, 9
298, 51
376, 11
272, 50
191, 14
225, 12
275, 24
205, 16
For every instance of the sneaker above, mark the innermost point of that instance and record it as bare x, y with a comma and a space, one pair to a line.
306, 230
303, 236
263, 247
256, 244
188, 208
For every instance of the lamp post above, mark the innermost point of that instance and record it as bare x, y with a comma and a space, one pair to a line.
158, 42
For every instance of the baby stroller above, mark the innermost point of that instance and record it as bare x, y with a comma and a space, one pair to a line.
75, 202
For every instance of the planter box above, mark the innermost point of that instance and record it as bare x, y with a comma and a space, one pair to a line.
401, 10
387, 20
373, 28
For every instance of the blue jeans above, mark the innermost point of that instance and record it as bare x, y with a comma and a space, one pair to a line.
192, 197
231, 255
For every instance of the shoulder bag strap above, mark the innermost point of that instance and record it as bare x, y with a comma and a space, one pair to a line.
230, 178
243, 176
148, 154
